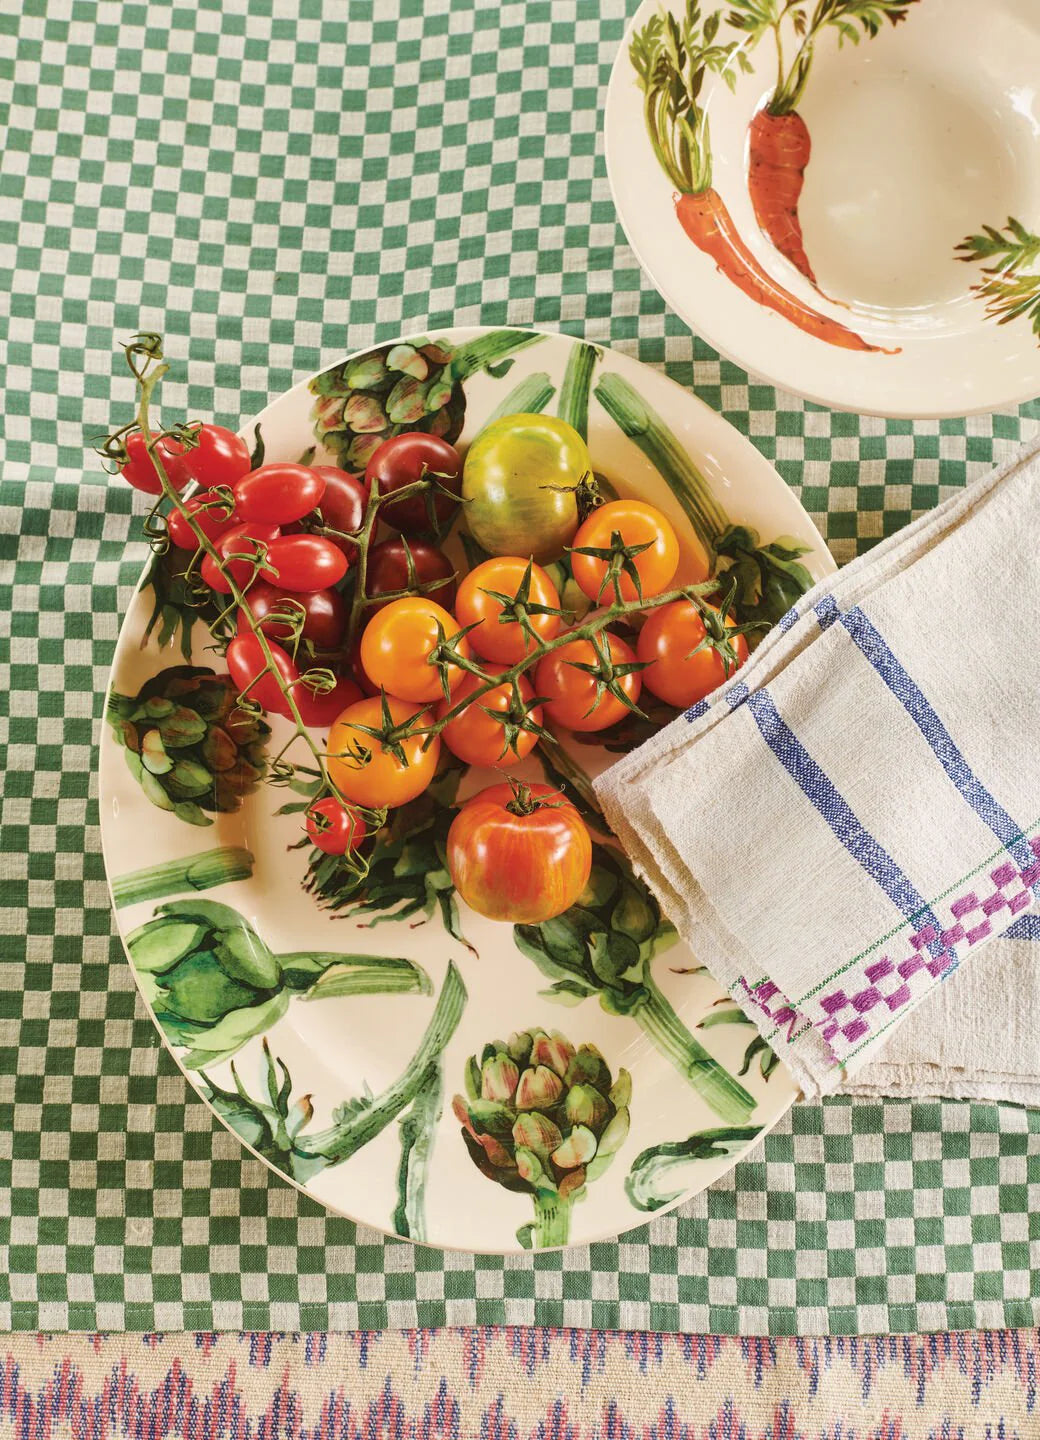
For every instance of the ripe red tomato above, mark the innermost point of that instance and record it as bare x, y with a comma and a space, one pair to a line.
246, 661
279, 494
240, 539
637, 523
342, 506
324, 610
475, 736
320, 711
304, 562
404, 459
507, 642
571, 693
387, 570
137, 470
335, 828
397, 645
213, 515
520, 858
220, 458
367, 773
675, 674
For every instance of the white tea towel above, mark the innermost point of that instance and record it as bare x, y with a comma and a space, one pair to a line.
857, 809
976, 1037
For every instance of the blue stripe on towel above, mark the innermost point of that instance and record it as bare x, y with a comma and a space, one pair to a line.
1025, 928
837, 812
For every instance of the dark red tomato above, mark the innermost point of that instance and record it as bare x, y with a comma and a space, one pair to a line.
246, 660
220, 458
139, 471
212, 514
402, 461
321, 710
387, 571
358, 670
237, 539
342, 506
324, 610
279, 494
335, 828
304, 562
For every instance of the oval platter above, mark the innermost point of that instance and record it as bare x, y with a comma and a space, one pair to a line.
346, 1039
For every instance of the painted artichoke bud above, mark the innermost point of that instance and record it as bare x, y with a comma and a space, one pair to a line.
188, 744
542, 1117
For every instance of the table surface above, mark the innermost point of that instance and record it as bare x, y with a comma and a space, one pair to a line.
271, 185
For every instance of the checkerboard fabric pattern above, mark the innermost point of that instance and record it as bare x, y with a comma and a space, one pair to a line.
270, 185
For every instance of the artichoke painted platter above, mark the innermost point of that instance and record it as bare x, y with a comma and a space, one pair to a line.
405, 1062
844, 197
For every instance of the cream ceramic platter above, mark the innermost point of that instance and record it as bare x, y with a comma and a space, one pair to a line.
843, 196
335, 1049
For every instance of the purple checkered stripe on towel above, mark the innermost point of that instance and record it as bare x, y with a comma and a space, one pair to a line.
868, 998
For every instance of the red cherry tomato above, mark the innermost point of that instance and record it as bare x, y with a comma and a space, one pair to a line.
246, 660
321, 710
402, 461
342, 506
682, 668
279, 494
304, 562
325, 614
387, 570
139, 471
212, 514
237, 539
335, 828
220, 458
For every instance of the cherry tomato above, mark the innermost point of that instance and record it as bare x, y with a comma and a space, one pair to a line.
387, 570
571, 693
279, 494
520, 858
397, 645
675, 674
477, 737
242, 539
304, 562
476, 605
402, 461
220, 458
324, 610
246, 660
637, 523
335, 828
320, 711
212, 514
342, 506
367, 773
139, 471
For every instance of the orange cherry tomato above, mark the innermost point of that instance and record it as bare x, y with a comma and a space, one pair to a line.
521, 859
571, 693
675, 674
506, 642
368, 774
398, 643
477, 737
637, 524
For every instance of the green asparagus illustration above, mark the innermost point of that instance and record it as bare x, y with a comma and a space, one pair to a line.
418, 1128
204, 871
214, 984
542, 1117
187, 743
728, 1012
645, 1183
528, 397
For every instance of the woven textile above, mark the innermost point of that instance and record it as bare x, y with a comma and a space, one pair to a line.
271, 186
520, 1384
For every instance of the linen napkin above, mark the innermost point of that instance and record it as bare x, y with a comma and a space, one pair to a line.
854, 812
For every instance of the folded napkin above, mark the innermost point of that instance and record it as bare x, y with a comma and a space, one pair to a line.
854, 812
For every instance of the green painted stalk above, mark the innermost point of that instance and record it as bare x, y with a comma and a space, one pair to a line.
577, 385
221, 866
528, 397
488, 349
712, 1081
418, 1129
552, 1221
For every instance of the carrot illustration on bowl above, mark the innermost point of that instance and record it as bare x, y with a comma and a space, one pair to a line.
672, 59
779, 145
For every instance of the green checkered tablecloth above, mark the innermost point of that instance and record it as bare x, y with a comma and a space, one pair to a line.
271, 184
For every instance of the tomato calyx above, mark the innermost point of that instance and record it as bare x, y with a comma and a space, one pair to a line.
518, 718
607, 674
391, 734
719, 635
587, 494
526, 802
620, 559
518, 608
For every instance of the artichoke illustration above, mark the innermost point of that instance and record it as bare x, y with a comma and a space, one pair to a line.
409, 386
188, 744
542, 1117
214, 984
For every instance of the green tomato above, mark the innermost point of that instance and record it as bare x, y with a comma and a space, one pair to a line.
518, 486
